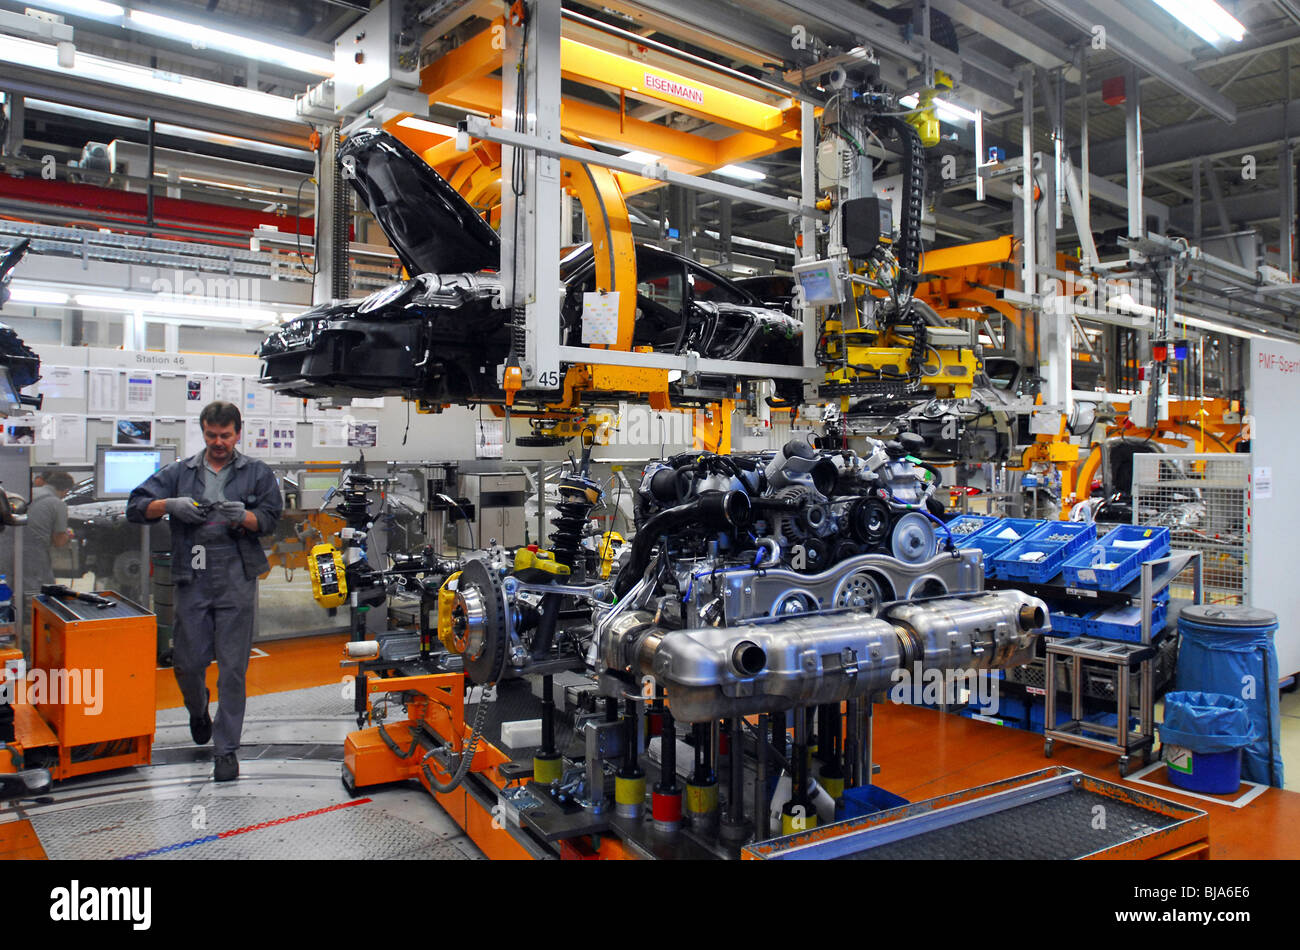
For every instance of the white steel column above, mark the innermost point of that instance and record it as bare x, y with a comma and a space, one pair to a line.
530, 192
808, 233
1029, 271
1133, 149
1286, 188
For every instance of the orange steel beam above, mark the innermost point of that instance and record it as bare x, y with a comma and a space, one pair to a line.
479, 56
997, 251
593, 66
681, 151
483, 54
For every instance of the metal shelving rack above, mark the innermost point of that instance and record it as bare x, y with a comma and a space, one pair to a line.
1204, 501
1126, 659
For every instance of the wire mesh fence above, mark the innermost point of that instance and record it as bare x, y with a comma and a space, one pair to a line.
1204, 501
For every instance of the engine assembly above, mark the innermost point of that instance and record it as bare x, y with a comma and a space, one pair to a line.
755, 585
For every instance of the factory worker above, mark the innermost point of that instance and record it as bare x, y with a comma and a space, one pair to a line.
219, 502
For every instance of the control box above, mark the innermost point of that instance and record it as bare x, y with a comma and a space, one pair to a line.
378, 54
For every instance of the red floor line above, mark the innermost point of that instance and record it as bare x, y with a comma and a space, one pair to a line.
281, 821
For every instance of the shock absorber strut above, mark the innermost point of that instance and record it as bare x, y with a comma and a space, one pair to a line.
579, 493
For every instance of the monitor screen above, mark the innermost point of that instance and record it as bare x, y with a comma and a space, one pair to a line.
817, 284
8, 395
119, 469
820, 282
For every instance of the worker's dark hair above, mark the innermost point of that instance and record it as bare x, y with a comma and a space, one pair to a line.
222, 414
59, 481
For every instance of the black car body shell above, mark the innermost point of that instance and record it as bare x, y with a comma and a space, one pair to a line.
439, 337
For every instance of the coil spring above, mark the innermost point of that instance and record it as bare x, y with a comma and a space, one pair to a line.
575, 505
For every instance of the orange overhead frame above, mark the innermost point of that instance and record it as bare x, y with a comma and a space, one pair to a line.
463, 78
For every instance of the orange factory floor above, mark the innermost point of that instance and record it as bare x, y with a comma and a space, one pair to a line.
922, 753
277, 666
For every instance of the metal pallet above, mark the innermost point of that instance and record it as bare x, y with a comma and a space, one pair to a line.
1046, 815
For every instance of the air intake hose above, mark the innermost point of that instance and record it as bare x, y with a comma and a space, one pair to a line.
710, 511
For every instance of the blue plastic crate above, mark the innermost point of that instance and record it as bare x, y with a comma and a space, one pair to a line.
1052, 545
1066, 623
989, 540
1112, 562
1125, 623
1038, 715
866, 800
1010, 711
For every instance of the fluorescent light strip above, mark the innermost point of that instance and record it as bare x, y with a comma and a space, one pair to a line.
201, 36
45, 57
97, 9
26, 295
950, 112
741, 172
1206, 19
426, 125
1218, 327
643, 157
166, 306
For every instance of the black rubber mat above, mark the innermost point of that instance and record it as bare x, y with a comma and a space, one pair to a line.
1065, 826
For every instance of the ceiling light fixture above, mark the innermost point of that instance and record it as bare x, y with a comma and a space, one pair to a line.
246, 47
1206, 19
129, 76
950, 112
167, 306
426, 125
33, 297
1219, 327
741, 172
91, 8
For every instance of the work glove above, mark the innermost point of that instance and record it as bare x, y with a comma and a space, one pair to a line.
232, 511
185, 509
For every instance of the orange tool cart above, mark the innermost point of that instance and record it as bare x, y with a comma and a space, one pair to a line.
87, 701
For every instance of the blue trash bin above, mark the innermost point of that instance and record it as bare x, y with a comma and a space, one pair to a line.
1204, 735
1229, 649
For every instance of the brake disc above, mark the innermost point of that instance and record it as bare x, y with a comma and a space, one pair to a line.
913, 540
479, 622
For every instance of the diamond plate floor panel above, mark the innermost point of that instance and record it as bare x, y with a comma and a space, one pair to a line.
1061, 827
289, 802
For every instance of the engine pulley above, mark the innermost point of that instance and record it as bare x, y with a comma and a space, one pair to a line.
913, 539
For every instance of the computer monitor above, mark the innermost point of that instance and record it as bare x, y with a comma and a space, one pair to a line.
9, 403
120, 468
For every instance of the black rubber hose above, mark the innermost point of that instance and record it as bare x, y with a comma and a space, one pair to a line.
711, 511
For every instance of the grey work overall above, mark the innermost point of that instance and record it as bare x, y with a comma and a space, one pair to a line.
216, 582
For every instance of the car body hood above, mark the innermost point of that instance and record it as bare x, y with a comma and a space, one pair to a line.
431, 227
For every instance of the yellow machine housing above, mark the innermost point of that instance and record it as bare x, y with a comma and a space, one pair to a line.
949, 371
535, 566
329, 583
